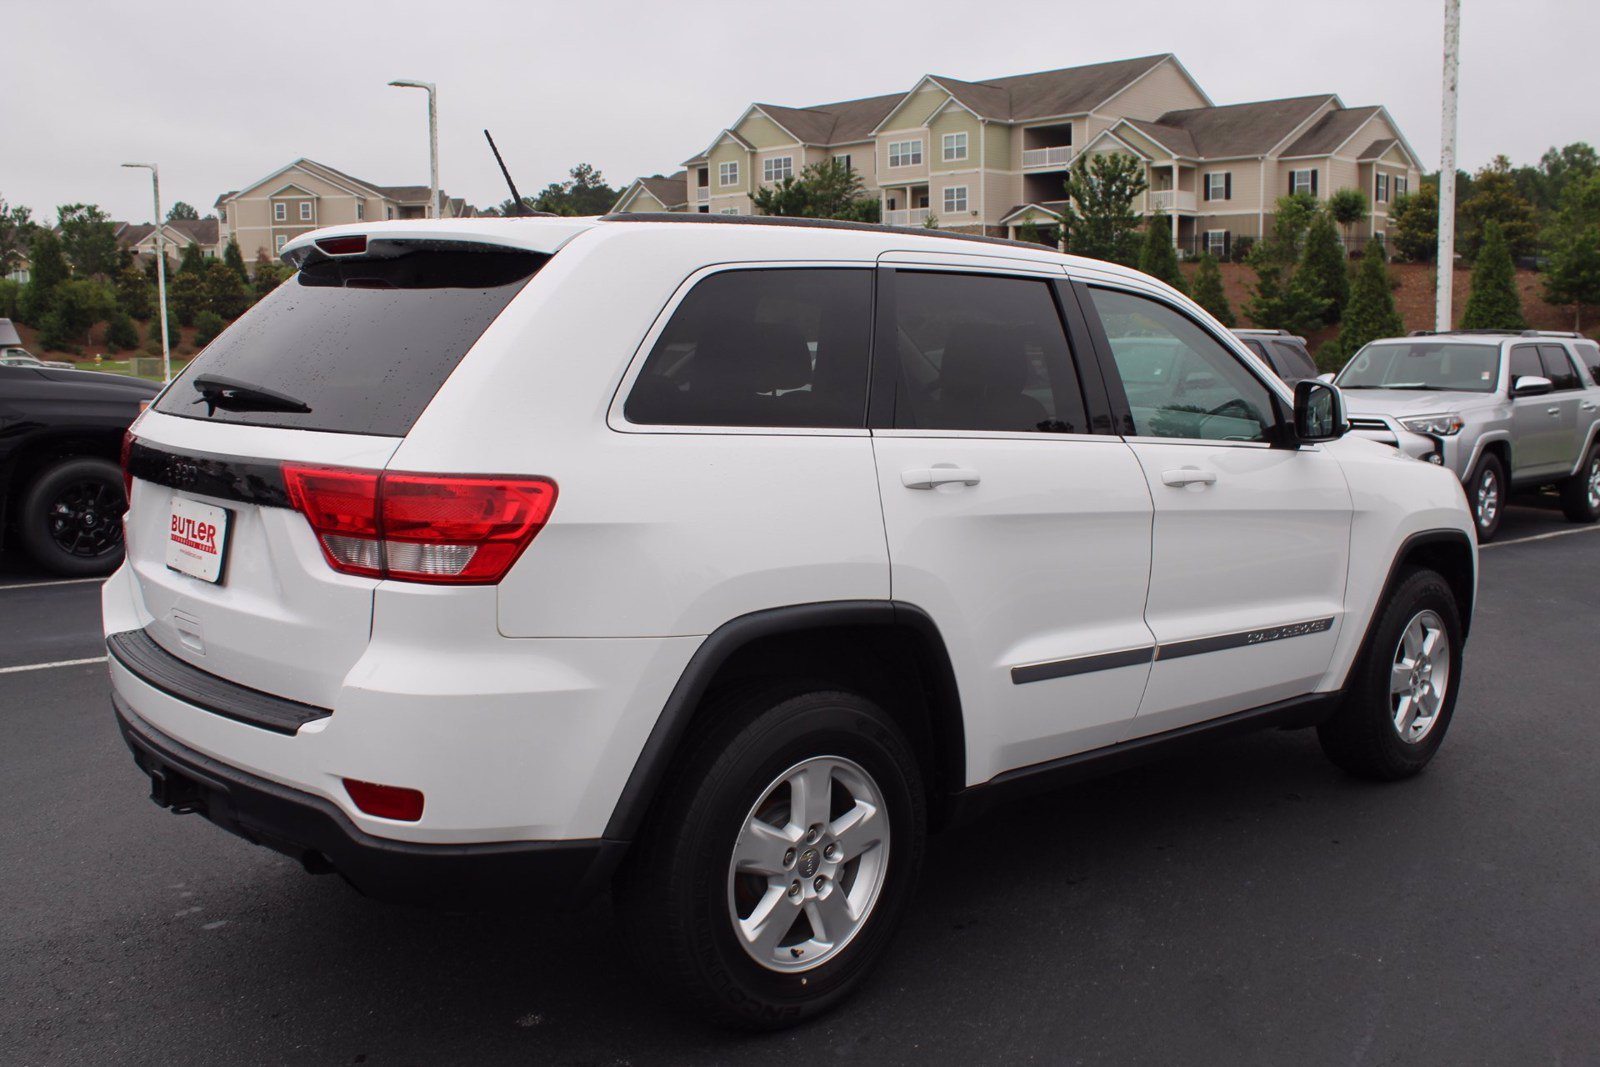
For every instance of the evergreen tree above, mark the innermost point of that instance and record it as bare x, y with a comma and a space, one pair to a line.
1208, 292
78, 304
1283, 304
193, 260
1099, 215
1322, 269
135, 294
89, 240
1574, 274
1158, 257
1371, 313
207, 325
186, 297
181, 210
1494, 303
121, 333
1495, 198
47, 270
225, 294
1414, 224
153, 342
235, 260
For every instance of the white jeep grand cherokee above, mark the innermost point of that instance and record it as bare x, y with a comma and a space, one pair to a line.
716, 560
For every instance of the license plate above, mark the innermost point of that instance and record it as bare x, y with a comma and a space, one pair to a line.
197, 537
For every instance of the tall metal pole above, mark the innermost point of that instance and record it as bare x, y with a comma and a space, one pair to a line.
1447, 169
433, 139
161, 268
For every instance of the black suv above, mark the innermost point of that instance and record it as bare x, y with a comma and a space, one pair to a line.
61, 491
1285, 353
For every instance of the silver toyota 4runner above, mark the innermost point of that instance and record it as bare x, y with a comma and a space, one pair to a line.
1506, 410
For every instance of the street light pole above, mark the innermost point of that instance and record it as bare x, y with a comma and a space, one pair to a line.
433, 140
161, 268
1446, 258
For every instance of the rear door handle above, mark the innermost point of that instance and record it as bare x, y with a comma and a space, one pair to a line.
933, 477
1552, 411
1587, 406
1188, 476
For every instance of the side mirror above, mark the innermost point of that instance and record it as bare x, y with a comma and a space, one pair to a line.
1318, 412
1531, 385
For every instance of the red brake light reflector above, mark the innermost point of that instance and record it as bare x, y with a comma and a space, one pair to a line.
343, 246
386, 801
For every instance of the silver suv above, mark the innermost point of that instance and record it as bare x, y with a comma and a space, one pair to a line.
1506, 410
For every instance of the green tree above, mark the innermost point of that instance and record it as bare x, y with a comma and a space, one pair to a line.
268, 275
1414, 224
225, 294
1371, 313
1029, 232
121, 333
825, 190
1574, 238
152, 344
1158, 257
1495, 198
584, 193
207, 325
10, 299
183, 211
89, 240
16, 232
1323, 268
1099, 216
234, 258
1558, 167
186, 297
1208, 291
1348, 207
1494, 303
193, 260
48, 269
1280, 298
79, 303
135, 294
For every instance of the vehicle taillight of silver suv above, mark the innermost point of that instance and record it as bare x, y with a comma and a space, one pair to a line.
857, 531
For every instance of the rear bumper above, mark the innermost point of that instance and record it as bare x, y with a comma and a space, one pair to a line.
314, 831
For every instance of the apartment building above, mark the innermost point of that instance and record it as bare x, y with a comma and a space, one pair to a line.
304, 195
991, 156
141, 237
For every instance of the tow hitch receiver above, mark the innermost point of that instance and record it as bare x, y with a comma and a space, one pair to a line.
170, 790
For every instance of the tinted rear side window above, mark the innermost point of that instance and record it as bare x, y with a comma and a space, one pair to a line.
1558, 368
1293, 363
1589, 354
364, 343
773, 347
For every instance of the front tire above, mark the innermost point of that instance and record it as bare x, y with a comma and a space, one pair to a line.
773, 875
1402, 693
1580, 494
1486, 494
70, 520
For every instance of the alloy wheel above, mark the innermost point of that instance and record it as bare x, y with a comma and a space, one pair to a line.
85, 518
1420, 676
1488, 502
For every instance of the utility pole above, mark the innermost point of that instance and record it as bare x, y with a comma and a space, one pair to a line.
161, 268
433, 140
1447, 169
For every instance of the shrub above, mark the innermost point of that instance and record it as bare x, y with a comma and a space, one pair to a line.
121, 333
207, 325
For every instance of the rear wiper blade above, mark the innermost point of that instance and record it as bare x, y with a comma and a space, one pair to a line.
219, 392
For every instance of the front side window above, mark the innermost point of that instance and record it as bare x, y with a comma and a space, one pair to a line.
980, 352
955, 199
778, 347
905, 153
1558, 368
1422, 366
955, 146
1180, 381
1525, 363
777, 168
280, 212
728, 173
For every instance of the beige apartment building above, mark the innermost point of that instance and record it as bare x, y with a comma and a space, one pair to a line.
991, 156
267, 214
141, 238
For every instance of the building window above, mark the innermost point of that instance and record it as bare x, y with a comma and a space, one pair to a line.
388, 212
1219, 243
955, 199
777, 168
729, 211
955, 146
1399, 187
280, 212
305, 211
361, 210
1303, 181
845, 159
905, 153
1381, 193
728, 173
1219, 185
280, 241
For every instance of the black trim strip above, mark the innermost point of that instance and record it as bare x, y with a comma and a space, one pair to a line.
160, 669
1065, 668
248, 481
1105, 661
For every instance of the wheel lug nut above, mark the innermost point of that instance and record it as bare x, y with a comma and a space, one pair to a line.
794, 890
819, 883
788, 858
811, 836
831, 852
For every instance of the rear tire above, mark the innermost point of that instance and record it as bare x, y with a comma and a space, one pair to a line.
1486, 495
731, 931
70, 519
1580, 494
1402, 693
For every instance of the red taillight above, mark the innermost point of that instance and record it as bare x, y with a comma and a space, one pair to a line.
420, 527
386, 801
343, 246
127, 475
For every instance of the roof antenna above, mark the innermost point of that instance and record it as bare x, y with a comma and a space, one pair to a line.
520, 208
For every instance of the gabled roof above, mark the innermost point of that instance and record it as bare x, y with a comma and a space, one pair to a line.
405, 194
1053, 208
671, 191
712, 147
1175, 139
843, 122
1329, 132
179, 231
1252, 129
200, 231
1377, 148
1073, 90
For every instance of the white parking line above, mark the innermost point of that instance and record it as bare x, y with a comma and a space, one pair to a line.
50, 666
1541, 537
41, 585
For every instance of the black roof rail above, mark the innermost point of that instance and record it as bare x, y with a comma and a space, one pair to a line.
1551, 333
1482, 332
701, 219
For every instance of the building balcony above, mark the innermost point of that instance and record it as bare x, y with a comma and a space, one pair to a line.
1057, 158
702, 192
916, 216
1169, 200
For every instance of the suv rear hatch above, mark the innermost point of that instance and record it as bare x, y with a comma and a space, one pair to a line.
331, 369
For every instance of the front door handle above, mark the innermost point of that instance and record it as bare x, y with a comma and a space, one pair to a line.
1552, 411
933, 477
1587, 406
1188, 476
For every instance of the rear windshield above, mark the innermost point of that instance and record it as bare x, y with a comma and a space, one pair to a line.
363, 343
1448, 366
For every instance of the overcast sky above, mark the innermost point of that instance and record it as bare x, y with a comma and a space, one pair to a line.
222, 94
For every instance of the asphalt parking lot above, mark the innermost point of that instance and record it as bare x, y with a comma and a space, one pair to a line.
1246, 904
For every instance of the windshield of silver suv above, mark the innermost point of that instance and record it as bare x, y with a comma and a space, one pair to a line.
1446, 366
